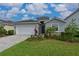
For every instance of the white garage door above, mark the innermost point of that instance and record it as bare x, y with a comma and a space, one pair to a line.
27, 29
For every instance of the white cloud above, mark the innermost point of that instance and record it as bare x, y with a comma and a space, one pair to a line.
76, 5
2, 14
7, 14
38, 9
14, 10
35, 9
12, 4
25, 17
63, 9
53, 5
22, 11
65, 14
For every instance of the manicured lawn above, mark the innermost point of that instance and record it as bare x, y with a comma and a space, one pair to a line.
48, 47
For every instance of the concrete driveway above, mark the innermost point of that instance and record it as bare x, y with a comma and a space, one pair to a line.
7, 42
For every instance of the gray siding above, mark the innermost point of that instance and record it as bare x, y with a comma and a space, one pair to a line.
58, 23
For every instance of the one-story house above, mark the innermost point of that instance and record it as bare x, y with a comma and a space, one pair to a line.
27, 26
8, 25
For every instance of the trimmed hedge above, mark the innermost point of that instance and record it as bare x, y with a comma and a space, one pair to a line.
70, 37
3, 32
10, 32
66, 36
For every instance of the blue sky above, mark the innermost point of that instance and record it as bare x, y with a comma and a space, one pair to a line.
25, 11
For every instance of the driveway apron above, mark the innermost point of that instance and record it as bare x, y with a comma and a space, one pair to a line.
9, 41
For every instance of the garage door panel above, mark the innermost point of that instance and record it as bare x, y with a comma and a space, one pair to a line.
25, 29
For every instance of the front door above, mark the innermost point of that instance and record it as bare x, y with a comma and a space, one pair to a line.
41, 27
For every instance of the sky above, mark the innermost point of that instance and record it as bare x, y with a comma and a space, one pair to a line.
26, 11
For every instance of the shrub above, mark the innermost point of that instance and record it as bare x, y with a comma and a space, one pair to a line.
66, 36
10, 32
70, 32
77, 34
76, 39
55, 37
50, 30
36, 38
3, 32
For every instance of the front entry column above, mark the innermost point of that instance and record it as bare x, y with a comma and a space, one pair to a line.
41, 28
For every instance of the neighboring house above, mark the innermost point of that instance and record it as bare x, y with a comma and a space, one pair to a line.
73, 16
27, 26
1, 23
8, 25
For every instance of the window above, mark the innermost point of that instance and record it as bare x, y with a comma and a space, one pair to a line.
55, 26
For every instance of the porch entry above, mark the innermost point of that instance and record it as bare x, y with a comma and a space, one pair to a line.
41, 27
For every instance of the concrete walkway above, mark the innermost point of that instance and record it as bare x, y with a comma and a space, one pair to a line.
7, 42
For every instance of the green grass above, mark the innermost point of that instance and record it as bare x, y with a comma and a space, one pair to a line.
48, 47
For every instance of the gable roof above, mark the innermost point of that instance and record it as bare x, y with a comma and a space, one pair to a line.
36, 21
26, 21
42, 18
58, 19
30, 20
1, 20
7, 22
72, 14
